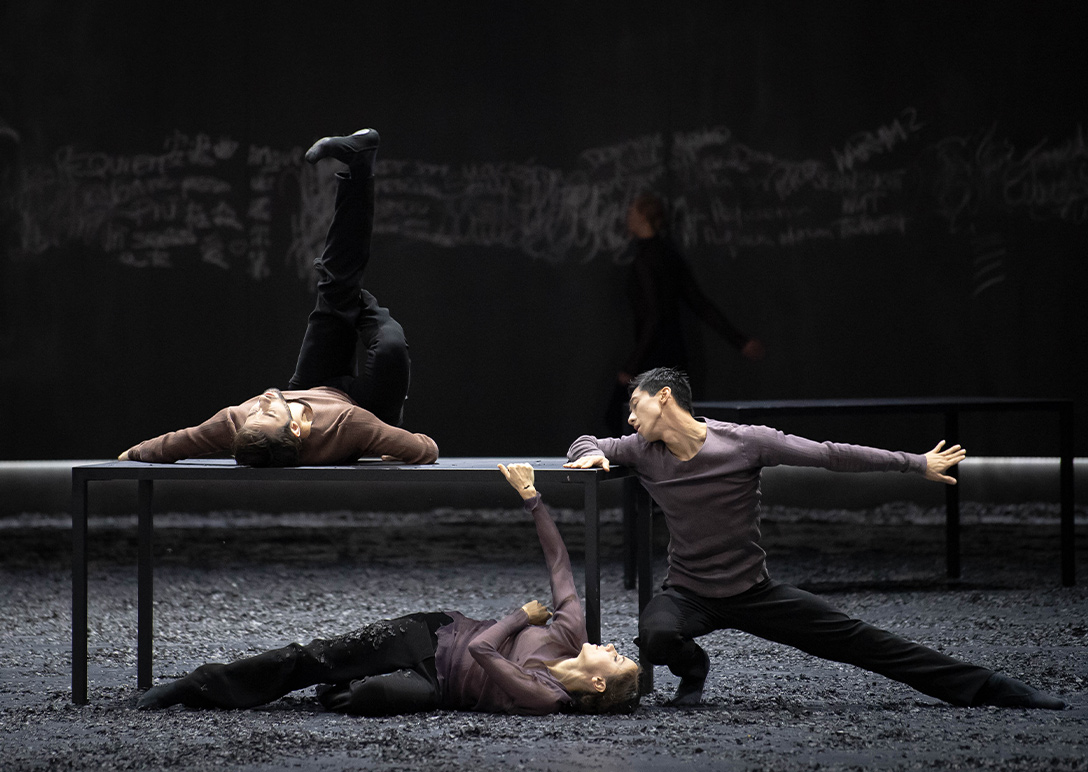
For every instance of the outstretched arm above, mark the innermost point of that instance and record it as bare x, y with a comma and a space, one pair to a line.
568, 620
940, 461
212, 436
588, 451
564, 595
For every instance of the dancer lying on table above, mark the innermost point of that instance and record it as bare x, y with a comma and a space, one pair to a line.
439, 660
334, 411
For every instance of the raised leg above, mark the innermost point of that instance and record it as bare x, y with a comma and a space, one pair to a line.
346, 318
328, 346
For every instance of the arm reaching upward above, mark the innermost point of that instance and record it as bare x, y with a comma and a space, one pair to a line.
568, 618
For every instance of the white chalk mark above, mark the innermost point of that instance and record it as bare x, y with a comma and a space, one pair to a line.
215, 200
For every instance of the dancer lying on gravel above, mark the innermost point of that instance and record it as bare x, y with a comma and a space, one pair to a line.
427, 661
335, 411
704, 474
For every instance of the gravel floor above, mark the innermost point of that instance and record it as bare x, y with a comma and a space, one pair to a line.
231, 584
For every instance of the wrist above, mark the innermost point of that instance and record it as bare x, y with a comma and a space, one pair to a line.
528, 492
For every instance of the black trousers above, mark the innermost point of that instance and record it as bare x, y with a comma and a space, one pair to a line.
382, 669
785, 614
352, 343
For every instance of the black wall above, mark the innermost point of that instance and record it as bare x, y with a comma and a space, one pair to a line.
892, 196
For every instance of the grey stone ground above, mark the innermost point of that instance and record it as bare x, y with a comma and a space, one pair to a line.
233, 584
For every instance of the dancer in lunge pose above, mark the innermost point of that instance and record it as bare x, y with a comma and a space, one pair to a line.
704, 474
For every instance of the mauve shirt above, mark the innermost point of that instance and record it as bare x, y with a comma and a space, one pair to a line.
711, 501
499, 667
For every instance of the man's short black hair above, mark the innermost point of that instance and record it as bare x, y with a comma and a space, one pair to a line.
653, 381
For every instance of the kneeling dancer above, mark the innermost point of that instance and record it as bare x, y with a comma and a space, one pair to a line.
427, 661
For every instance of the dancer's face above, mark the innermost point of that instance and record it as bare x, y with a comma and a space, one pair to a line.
645, 415
271, 412
603, 662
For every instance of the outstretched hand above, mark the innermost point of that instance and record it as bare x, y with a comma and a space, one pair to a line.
537, 612
939, 461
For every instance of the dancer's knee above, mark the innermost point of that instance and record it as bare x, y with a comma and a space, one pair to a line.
657, 643
388, 363
390, 345
402, 691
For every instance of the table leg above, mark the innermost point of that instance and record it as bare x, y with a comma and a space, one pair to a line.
952, 500
145, 587
630, 532
79, 588
1065, 485
593, 562
644, 506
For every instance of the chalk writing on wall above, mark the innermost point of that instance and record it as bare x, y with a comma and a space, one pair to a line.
196, 197
259, 210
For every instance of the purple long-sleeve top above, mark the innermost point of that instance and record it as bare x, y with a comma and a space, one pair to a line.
711, 501
500, 667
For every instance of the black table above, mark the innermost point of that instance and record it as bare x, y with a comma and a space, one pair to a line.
449, 470
951, 408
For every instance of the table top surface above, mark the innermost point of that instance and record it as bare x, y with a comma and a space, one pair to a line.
468, 469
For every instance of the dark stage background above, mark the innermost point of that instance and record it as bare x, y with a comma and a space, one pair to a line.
892, 196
